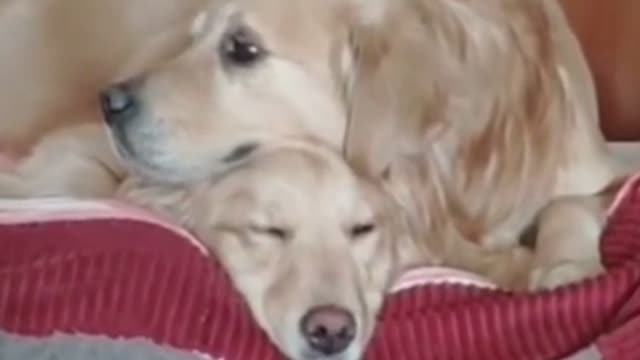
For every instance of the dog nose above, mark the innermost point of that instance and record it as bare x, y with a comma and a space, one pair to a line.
118, 103
328, 329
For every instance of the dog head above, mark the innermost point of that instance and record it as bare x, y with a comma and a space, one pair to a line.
256, 71
310, 246
467, 90
377, 78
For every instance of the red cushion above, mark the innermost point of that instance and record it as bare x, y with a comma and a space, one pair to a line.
129, 278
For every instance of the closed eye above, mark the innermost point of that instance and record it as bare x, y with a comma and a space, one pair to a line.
275, 232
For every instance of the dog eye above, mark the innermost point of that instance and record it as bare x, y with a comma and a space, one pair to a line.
361, 230
275, 232
241, 47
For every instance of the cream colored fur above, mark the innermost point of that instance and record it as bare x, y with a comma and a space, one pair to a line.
478, 117
55, 55
284, 226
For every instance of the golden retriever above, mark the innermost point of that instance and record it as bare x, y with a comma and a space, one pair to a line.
478, 117
475, 114
310, 245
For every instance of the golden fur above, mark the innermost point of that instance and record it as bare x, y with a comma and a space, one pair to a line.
285, 227
55, 55
475, 115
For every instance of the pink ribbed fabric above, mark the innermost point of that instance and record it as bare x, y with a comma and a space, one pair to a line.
127, 278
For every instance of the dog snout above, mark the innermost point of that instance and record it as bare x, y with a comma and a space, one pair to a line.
119, 103
328, 330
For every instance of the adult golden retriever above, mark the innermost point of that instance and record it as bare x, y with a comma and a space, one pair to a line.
310, 245
475, 114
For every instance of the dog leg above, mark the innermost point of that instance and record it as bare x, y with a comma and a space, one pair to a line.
567, 245
75, 162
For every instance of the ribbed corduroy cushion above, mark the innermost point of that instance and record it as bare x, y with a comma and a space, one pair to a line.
126, 278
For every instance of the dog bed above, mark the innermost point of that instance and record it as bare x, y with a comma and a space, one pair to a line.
118, 283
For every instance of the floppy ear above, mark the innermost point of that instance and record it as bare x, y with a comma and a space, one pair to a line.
173, 202
389, 94
369, 103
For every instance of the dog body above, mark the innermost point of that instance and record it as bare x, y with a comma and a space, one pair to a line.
478, 118
475, 115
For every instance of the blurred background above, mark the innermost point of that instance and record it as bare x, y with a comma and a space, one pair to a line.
609, 31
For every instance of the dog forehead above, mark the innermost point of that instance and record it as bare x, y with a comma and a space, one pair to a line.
360, 11
307, 31
295, 16
303, 182
279, 8
301, 172
290, 15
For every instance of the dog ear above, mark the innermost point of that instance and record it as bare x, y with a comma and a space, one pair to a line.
389, 94
170, 201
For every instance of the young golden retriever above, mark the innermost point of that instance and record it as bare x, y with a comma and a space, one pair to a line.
475, 114
310, 245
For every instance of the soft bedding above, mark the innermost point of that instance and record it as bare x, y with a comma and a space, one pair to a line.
109, 277
83, 347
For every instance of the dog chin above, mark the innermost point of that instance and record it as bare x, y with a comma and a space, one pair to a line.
139, 166
353, 353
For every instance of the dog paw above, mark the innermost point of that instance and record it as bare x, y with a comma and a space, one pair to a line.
560, 274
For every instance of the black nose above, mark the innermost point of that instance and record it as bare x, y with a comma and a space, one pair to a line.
328, 329
118, 103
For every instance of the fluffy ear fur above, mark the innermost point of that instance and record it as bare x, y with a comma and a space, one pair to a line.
171, 201
471, 83
460, 104
390, 94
